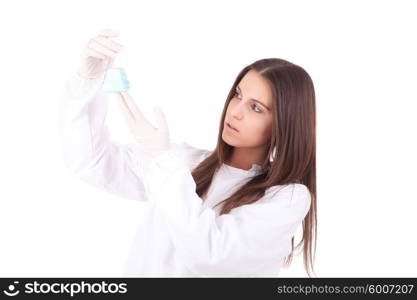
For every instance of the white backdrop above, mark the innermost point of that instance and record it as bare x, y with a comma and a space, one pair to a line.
184, 55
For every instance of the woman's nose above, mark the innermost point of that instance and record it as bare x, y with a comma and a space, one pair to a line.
237, 111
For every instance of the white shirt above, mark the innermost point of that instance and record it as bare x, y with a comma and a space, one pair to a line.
182, 234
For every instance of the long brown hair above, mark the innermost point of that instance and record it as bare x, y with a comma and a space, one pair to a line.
294, 138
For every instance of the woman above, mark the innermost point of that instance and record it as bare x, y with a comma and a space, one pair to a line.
230, 212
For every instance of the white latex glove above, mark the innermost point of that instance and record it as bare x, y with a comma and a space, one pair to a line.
99, 54
152, 141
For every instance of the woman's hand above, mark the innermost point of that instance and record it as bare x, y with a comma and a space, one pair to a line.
99, 54
151, 140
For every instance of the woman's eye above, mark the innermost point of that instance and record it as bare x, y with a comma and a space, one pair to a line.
259, 110
253, 105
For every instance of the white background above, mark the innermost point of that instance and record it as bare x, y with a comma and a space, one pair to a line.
184, 55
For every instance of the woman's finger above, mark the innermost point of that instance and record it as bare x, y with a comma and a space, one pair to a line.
125, 108
108, 43
94, 53
93, 44
130, 103
160, 119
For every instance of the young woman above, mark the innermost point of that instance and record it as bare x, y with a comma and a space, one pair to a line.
229, 212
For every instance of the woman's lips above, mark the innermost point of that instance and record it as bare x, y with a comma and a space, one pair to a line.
231, 128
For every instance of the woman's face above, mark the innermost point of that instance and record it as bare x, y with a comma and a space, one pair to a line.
252, 119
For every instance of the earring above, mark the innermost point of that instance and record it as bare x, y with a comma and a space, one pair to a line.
272, 156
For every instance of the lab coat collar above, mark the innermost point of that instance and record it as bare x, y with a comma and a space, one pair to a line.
254, 170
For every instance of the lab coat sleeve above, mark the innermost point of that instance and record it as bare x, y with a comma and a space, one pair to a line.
191, 155
87, 150
239, 243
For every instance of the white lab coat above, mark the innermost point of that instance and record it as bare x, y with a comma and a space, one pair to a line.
182, 235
